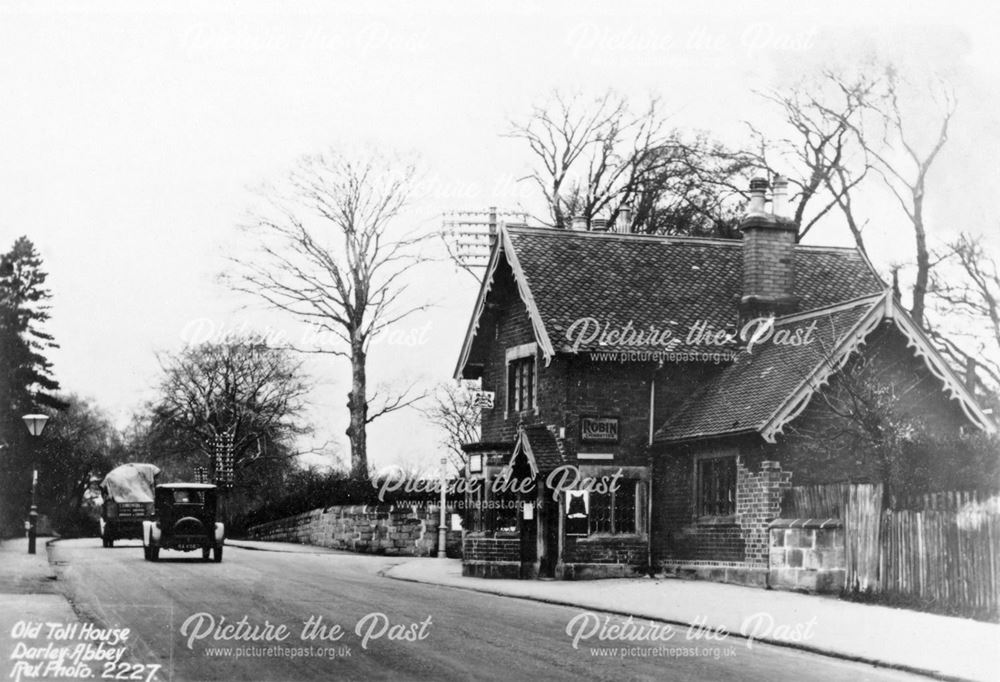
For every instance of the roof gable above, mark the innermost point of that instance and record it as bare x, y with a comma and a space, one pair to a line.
541, 448
502, 252
766, 388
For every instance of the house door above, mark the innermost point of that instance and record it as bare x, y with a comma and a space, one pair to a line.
548, 519
529, 537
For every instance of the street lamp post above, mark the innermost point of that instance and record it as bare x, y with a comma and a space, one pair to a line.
35, 424
443, 514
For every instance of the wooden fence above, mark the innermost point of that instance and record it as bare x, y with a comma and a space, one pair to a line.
815, 501
949, 557
940, 547
946, 501
862, 535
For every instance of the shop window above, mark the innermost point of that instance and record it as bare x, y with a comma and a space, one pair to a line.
474, 509
716, 486
499, 511
612, 513
623, 508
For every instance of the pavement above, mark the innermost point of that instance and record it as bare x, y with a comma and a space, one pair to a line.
928, 644
27, 594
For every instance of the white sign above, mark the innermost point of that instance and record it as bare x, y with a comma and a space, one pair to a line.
483, 399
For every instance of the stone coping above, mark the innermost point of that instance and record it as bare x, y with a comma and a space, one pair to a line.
806, 523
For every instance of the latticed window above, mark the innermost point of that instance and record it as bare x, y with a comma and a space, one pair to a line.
500, 510
600, 513
717, 486
614, 512
624, 508
521, 384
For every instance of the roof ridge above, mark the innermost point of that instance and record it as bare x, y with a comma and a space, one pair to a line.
831, 308
664, 238
828, 247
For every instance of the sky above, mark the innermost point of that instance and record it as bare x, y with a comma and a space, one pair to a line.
133, 133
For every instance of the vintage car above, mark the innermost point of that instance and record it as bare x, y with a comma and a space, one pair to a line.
184, 519
127, 501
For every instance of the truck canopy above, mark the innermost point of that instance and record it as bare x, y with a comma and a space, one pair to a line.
130, 483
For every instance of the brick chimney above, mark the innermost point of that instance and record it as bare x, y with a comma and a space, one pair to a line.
768, 253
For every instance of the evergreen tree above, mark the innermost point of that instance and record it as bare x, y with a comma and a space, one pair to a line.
26, 381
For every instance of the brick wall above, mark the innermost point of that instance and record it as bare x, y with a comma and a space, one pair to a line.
491, 557
768, 260
508, 325
758, 502
677, 535
630, 550
680, 537
481, 548
404, 531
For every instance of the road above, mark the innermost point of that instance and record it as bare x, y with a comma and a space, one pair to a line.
170, 606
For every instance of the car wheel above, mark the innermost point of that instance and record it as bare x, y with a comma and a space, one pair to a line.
217, 553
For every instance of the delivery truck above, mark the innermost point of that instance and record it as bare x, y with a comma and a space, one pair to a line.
128, 501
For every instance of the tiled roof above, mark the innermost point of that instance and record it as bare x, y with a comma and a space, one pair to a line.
543, 445
747, 394
664, 282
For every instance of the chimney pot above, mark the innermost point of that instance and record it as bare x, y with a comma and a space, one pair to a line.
758, 188
779, 197
579, 223
623, 222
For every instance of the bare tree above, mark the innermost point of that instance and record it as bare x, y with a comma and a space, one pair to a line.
691, 186
328, 252
904, 166
600, 158
456, 412
970, 294
823, 154
845, 125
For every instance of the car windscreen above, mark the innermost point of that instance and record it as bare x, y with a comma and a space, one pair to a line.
189, 497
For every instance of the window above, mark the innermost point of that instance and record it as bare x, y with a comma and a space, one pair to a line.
188, 497
500, 513
613, 512
716, 486
521, 385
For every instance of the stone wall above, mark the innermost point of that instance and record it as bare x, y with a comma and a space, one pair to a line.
394, 530
807, 554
